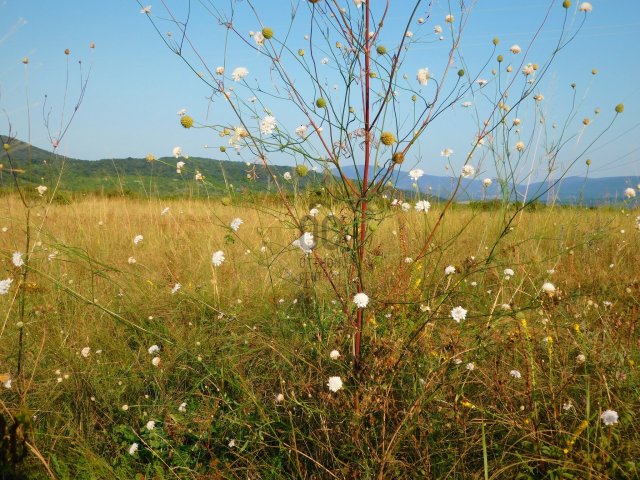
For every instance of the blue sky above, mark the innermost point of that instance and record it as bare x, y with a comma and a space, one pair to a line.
137, 85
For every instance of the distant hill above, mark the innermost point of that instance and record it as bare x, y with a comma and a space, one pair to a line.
158, 178
569, 190
136, 175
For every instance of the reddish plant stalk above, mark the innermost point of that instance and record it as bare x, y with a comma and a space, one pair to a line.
365, 183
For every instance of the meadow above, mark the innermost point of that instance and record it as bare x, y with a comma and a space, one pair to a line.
143, 359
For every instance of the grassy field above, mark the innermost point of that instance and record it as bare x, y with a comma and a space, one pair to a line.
116, 372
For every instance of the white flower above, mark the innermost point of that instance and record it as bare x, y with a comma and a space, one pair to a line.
7, 383
287, 176
458, 313
509, 272
5, 285
155, 361
198, 176
416, 173
581, 358
235, 224
268, 125
164, 211
181, 112
279, 398
137, 239
466, 104
314, 212
41, 189
85, 352
408, 260
520, 146
549, 288
17, 260
131, 260
334, 355
232, 443
423, 76
630, 192
259, 38
528, 69
179, 167
220, 70
437, 29
448, 18
468, 171
585, 7
358, 3
177, 151
450, 270
447, 152
239, 73
334, 384
301, 131
146, 9
487, 182
515, 49
482, 82
133, 448
515, 374
217, 258
175, 288
409, 34
422, 206
324, 61
609, 417
361, 300
306, 242
153, 349
470, 366
405, 207
182, 407
151, 424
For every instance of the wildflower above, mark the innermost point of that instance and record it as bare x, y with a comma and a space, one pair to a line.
487, 182
137, 239
539, 97
450, 270
585, 7
7, 383
408, 260
198, 176
437, 29
239, 73
186, 121
155, 361
520, 146
235, 224
151, 424
567, 406
131, 260
609, 417
361, 300
528, 69
358, 3
387, 138
405, 207
508, 272
268, 125
232, 443
314, 212
468, 171
423, 76
164, 211
630, 192
482, 82
85, 352
448, 18
515, 49
447, 152
133, 448
470, 366
301, 131
146, 9
177, 151
458, 313
17, 260
549, 288
581, 358
179, 167
41, 189
217, 258
153, 349
334, 384
515, 374
416, 173
259, 38
422, 206
279, 398
286, 176
183, 407
306, 242
5, 285
302, 170
466, 104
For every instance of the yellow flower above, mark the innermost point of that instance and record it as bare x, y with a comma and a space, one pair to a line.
186, 121
302, 170
267, 33
150, 157
397, 158
387, 138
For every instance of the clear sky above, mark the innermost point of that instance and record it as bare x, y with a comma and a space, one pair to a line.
137, 84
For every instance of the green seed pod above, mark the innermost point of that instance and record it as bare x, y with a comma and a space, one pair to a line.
267, 33
381, 49
321, 103
620, 108
461, 73
496, 41
566, 3
500, 58
588, 162
302, 170
223, 149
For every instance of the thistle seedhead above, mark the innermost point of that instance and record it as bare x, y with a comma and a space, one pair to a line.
398, 158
